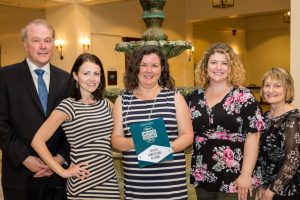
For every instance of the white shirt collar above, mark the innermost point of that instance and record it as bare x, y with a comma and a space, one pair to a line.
33, 67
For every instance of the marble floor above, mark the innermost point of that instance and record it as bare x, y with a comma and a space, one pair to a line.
118, 166
119, 173
191, 192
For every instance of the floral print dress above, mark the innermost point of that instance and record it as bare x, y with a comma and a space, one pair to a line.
279, 157
219, 136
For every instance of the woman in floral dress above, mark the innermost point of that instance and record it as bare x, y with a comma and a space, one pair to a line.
227, 120
279, 157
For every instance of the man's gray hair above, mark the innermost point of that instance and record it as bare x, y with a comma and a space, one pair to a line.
36, 22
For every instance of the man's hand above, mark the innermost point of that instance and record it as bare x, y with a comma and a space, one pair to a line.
261, 192
37, 166
43, 173
268, 195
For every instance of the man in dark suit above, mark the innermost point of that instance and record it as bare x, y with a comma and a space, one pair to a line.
24, 174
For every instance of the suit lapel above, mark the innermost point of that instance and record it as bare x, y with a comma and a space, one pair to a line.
54, 84
29, 84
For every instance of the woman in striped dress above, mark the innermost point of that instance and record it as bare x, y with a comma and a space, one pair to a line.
86, 119
150, 95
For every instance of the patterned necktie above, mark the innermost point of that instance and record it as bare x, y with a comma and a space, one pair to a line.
42, 89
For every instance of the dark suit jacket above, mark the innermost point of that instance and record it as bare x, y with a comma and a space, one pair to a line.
21, 115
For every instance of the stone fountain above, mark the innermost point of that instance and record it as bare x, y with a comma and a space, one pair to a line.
153, 17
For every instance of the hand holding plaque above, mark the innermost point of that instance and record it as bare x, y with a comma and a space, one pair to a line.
151, 142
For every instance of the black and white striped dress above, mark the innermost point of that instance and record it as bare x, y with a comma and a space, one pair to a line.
89, 133
166, 180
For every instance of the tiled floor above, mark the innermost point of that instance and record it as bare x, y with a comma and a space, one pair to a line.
118, 166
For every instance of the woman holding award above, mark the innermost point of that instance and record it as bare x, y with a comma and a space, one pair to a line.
150, 98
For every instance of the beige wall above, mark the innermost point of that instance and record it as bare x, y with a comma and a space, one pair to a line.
106, 24
199, 10
262, 42
71, 23
295, 48
268, 45
12, 19
111, 22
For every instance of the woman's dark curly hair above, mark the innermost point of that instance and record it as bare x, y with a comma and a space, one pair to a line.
73, 89
133, 68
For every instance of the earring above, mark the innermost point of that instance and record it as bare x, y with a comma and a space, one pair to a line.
77, 85
99, 86
159, 82
207, 77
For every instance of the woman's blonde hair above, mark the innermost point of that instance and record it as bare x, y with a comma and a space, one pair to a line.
282, 76
236, 74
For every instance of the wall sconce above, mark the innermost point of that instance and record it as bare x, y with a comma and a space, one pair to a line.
59, 45
85, 42
191, 52
222, 3
287, 17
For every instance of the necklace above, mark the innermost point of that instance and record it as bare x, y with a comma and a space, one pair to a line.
129, 105
146, 94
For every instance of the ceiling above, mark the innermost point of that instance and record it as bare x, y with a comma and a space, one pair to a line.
38, 4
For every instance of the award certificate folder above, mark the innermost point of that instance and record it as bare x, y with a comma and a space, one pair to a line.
151, 142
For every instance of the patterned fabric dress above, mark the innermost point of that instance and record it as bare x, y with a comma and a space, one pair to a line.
279, 157
166, 180
88, 132
220, 134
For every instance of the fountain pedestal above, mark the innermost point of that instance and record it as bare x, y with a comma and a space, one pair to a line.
153, 17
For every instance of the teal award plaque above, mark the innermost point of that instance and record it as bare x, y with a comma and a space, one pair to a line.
151, 142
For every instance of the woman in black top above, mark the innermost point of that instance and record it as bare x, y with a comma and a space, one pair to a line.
227, 121
279, 158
